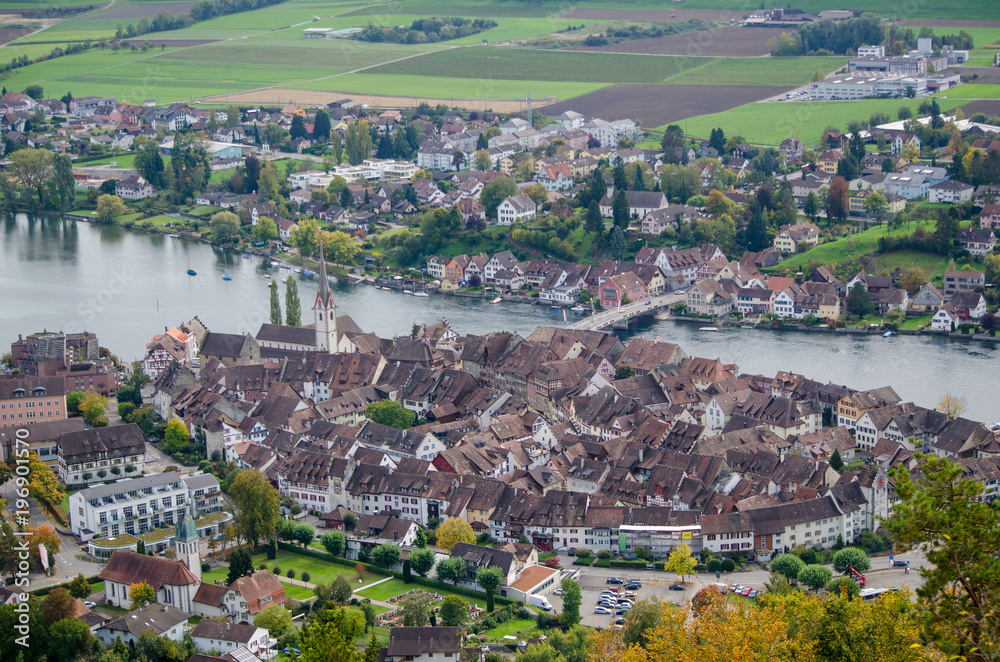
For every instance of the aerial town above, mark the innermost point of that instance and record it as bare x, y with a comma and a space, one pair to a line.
305, 487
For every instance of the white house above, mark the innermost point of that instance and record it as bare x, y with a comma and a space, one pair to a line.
224, 637
518, 207
161, 620
945, 319
950, 191
174, 583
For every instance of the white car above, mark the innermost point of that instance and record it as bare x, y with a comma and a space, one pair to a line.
558, 591
89, 605
603, 610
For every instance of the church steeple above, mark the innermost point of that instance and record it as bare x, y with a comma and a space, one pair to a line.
325, 311
186, 544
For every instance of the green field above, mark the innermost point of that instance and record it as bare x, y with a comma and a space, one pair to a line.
932, 265
770, 123
973, 91
847, 250
394, 587
320, 572
758, 71
490, 63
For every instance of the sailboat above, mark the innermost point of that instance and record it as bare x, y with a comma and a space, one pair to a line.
226, 277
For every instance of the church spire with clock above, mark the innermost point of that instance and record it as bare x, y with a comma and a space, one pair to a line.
325, 311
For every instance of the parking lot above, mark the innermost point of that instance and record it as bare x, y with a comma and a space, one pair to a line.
592, 585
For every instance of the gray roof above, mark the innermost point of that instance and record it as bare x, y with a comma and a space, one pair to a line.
484, 556
51, 385
239, 632
155, 618
201, 481
113, 441
153, 480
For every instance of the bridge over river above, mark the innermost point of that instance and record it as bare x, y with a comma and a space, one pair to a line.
618, 318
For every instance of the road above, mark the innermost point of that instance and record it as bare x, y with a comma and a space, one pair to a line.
66, 563
655, 584
606, 318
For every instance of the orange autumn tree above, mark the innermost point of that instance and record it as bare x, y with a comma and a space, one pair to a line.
797, 627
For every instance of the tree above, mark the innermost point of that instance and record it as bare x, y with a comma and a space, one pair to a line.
340, 247
572, 599
481, 160
386, 555
68, 638
422, 561
616, 243
321, 126
913, 279
268, 186
109, 207
341, 589
837, 199
454, 611
58, 605
680, 561
843, 586
453, 531
274, 618
303, 534
788, 565
859, 301
876, 206
79, 587
330, 636
346, 198
756, 232
594, 224
836, 462
641, 621
293, 309
256, 506
489, 579
537, 193
358, 141
391, 413
305, 237
240, 564
815, 576
543, 652
31, 167
910, 153
952, 405
140, 594
275, 304
620, 209
495, 192
451, 570
298, 128
334, 542
176, 438
265, 229
43, 484
624, 372
73, 400
415, 611
853, 557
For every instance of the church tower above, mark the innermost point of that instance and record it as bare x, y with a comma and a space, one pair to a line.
186, 545
325, 311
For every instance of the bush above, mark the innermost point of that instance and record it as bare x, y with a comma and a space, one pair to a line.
604, 554
290, 574
715, 565
701, 567
305, 576
728, 565
631, 565
205, 567
276, 570
263, 566
583, 553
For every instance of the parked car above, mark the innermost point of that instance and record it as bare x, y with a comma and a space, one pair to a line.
89, 605
558, 591
633, 586
614, 580
571, 551
676, 587
620, 620
603, 610
623, 610
899, 563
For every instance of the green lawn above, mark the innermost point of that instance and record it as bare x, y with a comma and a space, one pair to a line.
96, 587
297, 592
206, 210
320, 572
973, 91
930, 263
394, 587
510, 628
770, 123
848, 249
916, 322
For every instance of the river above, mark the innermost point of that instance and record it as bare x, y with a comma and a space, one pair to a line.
127, 286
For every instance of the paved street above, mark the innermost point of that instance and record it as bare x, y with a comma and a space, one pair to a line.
655, 584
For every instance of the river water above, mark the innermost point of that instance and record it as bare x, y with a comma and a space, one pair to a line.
127, 286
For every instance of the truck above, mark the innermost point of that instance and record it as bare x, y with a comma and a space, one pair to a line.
539, 601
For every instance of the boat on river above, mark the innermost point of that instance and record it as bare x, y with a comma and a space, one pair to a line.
421, 294
708, 328
226, 277
192, 272
497, 300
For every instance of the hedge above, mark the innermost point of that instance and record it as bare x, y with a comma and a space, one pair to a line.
586, 561
630, 565
414, 579
45, 591
602, 563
